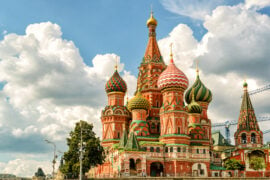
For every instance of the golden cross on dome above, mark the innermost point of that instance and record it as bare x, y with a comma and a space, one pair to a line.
197, 68
171, 54
116, 63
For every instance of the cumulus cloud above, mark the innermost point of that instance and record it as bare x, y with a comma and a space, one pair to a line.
25, 167
47, 89
237, 41
255, 4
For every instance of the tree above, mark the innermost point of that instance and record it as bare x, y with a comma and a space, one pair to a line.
233, 164
257, 163
40, 173
93, 152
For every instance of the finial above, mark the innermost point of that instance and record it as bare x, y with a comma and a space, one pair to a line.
151, 6
197, 68
171, 54
116, 63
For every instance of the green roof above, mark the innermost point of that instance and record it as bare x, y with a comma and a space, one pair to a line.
123, 140
214, 167
132, 143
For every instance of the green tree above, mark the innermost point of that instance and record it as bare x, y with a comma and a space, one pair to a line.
40, 173
233, 164
93, 152
257, 163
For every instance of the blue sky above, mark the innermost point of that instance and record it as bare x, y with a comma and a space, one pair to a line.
56, 56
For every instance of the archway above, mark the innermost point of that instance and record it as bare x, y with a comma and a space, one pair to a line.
139, 166
156, 169
132, 167
256, 160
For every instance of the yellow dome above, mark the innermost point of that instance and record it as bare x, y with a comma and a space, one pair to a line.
151, 20
138, 102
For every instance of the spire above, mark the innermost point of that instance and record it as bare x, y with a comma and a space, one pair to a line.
124, 138
247, 119
152, 53
132, 142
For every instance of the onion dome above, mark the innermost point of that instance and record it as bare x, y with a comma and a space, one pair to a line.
138, 102
115, 83
201, 92
172, 77
194, 107
151, 20
245, 84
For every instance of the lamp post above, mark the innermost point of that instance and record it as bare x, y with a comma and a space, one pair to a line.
81, 153
54, 155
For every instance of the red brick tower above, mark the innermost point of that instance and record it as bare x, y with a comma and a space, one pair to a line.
150, 68
115, 116
248, 133
173, 116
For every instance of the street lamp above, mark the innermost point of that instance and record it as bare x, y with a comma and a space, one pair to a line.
54, 155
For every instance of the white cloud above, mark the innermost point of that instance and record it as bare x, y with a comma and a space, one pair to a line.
48, 88
25, 167
196, 9
257, 4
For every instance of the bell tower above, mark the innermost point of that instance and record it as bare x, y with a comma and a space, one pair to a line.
150, 68
248, 133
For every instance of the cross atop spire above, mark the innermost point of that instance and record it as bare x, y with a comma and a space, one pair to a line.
197, 68
116, 63
171, 53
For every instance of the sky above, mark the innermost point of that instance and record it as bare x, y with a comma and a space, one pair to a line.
56, 56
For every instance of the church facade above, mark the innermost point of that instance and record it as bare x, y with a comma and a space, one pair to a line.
164, 130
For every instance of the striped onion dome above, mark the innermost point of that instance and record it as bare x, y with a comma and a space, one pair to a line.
194, 107
115, 83
138, 102
172, 77
201, 92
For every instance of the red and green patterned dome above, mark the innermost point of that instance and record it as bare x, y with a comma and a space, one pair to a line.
138, 102
194, 107
115, 83
201, 92
172, 77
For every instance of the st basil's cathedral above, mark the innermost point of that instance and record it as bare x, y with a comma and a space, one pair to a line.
164, 130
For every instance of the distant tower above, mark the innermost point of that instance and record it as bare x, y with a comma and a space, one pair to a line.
115, 116
173, 116
150, 68
248, 133
202, 96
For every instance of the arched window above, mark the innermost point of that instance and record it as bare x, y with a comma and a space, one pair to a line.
204, 151
118, 135
184, 149
244, 138
178, 149
166, 149
158, 127
178, 130
171, 149
253, 138
198, 151
158, 149
144, 148
153, 126
152, 149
